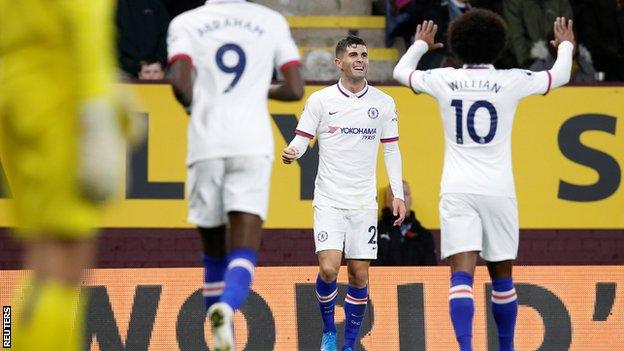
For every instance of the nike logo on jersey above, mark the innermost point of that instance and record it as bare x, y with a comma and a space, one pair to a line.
333, 113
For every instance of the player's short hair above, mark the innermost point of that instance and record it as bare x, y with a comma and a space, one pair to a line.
350, 40
477, 36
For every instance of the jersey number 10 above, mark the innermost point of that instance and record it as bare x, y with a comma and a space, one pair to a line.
237, 68
459, 116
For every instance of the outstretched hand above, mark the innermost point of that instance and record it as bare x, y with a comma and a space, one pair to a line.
427, 32
563, 31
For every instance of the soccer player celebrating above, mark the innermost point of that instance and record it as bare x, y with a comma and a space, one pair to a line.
222, 57
63, 151
349, 119
478, 209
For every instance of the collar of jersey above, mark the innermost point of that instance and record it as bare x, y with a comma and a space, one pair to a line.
344, 91
488, 66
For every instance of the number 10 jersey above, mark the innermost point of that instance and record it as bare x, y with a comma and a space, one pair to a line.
477, 105
234, 47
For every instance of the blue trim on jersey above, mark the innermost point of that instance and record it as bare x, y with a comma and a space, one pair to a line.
364, 93
349, 95
342, 92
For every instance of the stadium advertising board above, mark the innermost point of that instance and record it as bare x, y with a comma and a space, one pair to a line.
568, 160
561, 308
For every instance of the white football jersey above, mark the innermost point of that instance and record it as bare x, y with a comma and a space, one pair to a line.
234, 46
348, 128
478, 104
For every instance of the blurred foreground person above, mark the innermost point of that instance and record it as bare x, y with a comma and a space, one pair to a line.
62, 149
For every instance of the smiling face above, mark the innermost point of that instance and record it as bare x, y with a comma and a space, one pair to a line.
353, 63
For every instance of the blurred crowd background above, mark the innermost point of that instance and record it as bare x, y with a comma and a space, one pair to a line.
388, 27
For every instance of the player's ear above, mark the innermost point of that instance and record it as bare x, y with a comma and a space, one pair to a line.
338, 63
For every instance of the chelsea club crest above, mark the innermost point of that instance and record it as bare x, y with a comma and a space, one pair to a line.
322, 236
373, 112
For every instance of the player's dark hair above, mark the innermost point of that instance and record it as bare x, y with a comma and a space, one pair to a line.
350, 40
477, 36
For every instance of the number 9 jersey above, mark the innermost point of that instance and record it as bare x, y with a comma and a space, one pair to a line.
477, 106
234, 47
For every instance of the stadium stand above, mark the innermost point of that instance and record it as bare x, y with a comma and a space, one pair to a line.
316, 32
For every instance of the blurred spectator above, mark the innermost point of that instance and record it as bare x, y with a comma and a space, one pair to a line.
530, 31
601, 29
531, 26
151, 69
405, 15
176, 7
411, 244
492, 5
457, 8
142, 29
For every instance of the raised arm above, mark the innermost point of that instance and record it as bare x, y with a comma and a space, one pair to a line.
564, 42
424, 41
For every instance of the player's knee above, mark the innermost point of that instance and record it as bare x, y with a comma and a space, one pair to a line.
358, 277
328, 272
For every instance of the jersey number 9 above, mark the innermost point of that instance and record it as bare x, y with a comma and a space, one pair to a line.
237, 68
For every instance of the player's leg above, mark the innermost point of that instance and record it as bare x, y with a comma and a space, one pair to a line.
245, 200
461, 299
326, 291
355, 301
329, 237
246, 230
46, 320
205, 184
504, 303
215, 262
500, 248
245, 237
360, 248
461, 234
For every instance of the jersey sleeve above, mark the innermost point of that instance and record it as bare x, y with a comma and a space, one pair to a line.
531, 83
179, 45
310, 118
287, 54
428, 82
390, 128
